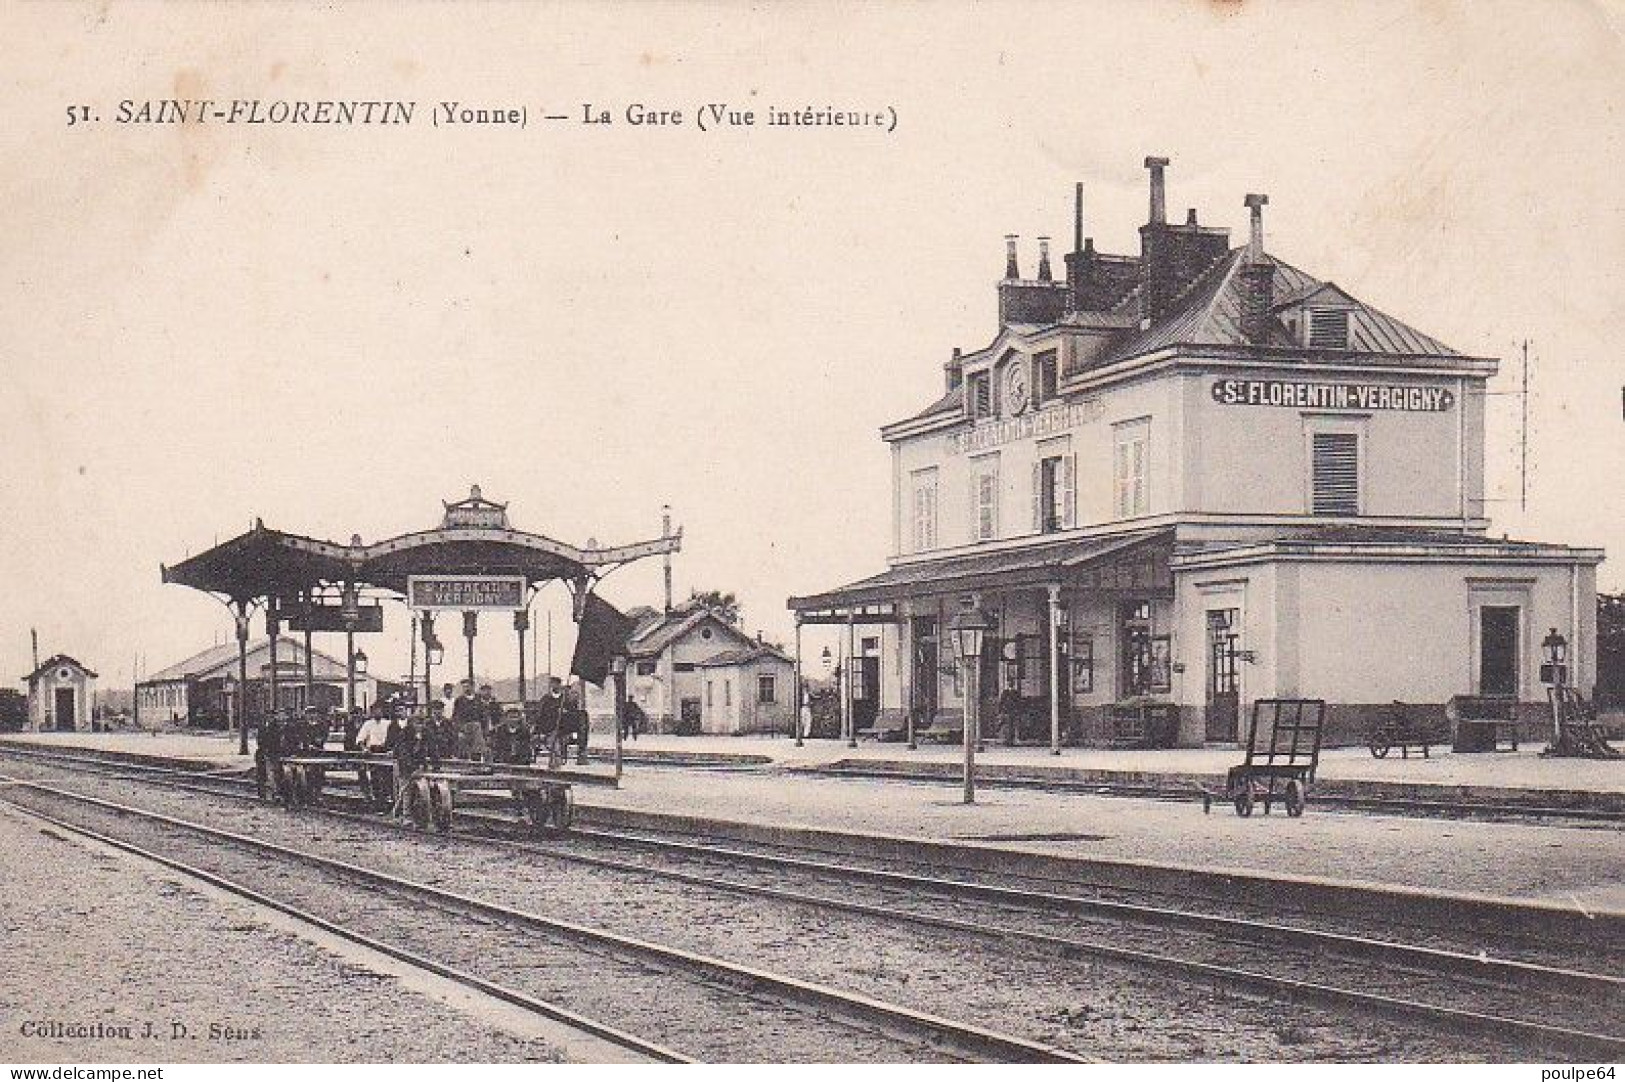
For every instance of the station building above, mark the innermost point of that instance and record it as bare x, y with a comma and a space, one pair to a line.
194, 691
61, 695
1194, 477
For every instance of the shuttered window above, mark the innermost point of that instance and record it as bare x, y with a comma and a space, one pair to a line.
980, 398
1045, 387
1329, 328
1055, 500
984, 498
1336, 473
925, 509
1130, 451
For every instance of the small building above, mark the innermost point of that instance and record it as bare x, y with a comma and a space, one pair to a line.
691, 671
193, 692
61, 695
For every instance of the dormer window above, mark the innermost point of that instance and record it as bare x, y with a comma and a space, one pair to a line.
1329, 328
1045, 378
979, 395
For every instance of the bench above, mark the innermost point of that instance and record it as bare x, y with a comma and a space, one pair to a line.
1482, 723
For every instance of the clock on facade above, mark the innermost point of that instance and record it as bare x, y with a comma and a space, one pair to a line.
1015, 387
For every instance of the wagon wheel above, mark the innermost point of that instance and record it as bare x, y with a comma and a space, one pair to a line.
1243, 797
1379, 747
1296, 798
418, 803
564, 809
538, 809
440, 805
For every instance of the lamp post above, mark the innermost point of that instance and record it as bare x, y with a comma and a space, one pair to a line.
433, 654
1554, 673
968, 629
617, 667
827, 660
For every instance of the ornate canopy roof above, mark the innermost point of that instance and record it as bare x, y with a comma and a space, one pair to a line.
474, 537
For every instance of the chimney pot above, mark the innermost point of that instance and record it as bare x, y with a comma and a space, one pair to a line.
1011, 270
1159, 199
1190, 216
1255, 238
1077, 219
1044, 274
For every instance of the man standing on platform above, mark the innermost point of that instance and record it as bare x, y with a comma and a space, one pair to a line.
468, 718
549, 716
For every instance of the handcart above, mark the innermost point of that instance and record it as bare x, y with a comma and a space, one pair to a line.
1283, 750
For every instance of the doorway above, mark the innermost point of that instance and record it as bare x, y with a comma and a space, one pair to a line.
1498, 650
65, 701
1223, 676
923, 685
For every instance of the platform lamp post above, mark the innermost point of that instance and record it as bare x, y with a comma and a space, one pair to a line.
969, 630
1554, 674
831, 672
433, 654
471, 628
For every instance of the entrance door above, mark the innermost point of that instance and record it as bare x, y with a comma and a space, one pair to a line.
1223, 677
64, 708
1134, 637
1498, 650
923, 686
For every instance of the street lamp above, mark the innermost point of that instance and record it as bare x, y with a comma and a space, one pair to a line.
360, 660
968, 629
1555, 671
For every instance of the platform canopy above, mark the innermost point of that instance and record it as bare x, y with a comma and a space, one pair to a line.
473, 538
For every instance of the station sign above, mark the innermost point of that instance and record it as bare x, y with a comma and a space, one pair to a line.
1046, 422
369, 618
1298, 394
465, 592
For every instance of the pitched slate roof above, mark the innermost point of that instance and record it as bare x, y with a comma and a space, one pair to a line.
55, 660
1209, 314
206, 663
655, 636
744, 656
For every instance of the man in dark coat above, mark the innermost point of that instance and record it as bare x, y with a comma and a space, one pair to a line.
267, 752
510, 741
468, 718
549, 713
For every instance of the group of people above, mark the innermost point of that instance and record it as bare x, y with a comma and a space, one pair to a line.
463, 724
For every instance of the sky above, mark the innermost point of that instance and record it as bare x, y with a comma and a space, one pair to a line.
335, 329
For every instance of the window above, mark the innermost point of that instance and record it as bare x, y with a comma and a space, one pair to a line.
684, 666
1130, 450
1045, 378
646, 668
1329, 328
1055, 501
979, 395
984, 497
766, 689
727, 693
925, 509
710, 696
1335, 473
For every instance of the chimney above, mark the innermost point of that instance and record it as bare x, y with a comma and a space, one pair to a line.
1190, 216
1077, 220
1044, 274
1159, 197
1257, 278
1077, 264
955, 371
1011, 270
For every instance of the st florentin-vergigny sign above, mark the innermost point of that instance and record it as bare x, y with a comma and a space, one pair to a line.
465, 592
1295, 394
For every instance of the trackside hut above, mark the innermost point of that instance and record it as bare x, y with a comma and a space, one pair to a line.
1201, 476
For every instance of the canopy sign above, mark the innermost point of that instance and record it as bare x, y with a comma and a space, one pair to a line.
465, 592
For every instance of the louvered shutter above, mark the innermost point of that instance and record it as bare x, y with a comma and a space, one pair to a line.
1336, 473
1069, 491
1038, 496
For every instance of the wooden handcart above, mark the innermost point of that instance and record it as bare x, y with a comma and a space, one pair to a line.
543, 795
1283, 750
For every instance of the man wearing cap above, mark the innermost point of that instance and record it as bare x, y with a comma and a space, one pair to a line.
467, 717
510, 741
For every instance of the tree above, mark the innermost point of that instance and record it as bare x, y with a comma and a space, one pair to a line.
1611, 649
13, 709
724, 605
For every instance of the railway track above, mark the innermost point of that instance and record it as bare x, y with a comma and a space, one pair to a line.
760, 1007
1377, 976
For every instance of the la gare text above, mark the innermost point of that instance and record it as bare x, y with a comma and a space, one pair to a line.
708, 116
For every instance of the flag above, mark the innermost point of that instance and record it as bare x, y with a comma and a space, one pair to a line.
600, 636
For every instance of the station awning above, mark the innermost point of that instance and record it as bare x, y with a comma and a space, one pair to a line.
1137, 561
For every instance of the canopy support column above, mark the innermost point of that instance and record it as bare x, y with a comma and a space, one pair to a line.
851, 660
240, 617
1055, 670
521, 624
273, 618
795, 713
